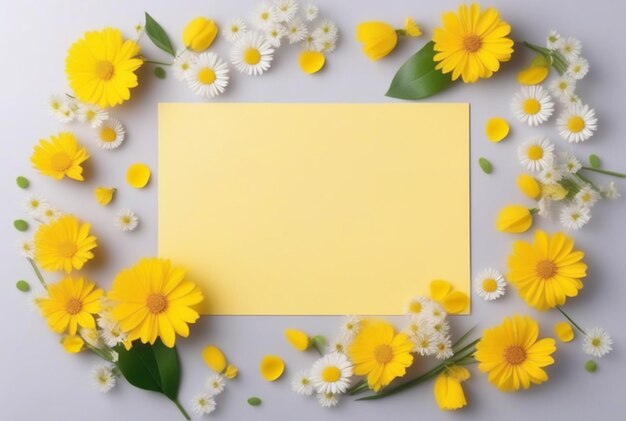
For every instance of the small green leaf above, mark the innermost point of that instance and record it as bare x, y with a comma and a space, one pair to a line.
485, 165
159, 72
591, 366
22, 286
158, 36
20, 225
417, 78
254, 401
594, 161
22, 182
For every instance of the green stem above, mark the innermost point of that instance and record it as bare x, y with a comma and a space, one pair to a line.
157, 62
598, 170
570, 320
556, 60
586, 180
37, 272
100, 353
401, 32
181, 409
362, 386
463, 338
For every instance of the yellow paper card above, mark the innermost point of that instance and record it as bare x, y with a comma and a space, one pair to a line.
315, 208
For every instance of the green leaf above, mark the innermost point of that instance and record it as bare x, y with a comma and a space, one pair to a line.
22, 286
319, 343
22, 182
254, 401
485, 165
157, 35
20, 225
159, 72
540, 60
591, 366
594, 161
418, 78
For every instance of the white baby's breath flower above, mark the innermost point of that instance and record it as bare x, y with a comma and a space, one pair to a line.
571, 48
296, 31
27, 249
610, 191
587, 196
203, 404
554, 41
578, 123
302, 383
569, 162
563, 87
489, 284
578, 68
92, 115
575, 216
274, 34
597, 342
182, 63
126, 220
103, 377
215, 384
311, 12
111, 332
285, 10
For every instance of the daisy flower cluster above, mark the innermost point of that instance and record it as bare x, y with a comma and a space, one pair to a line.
428, 328
41, 211
204, 403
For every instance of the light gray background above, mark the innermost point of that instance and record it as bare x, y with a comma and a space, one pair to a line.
39, 381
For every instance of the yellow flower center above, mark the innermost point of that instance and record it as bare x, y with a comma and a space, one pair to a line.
73, 306
125, 220
60, 161
104, 69
107, 134
206, 76
67, 249
415, 307
90, 115
490, 285
383, 353
596, 342
575, 124
156, 303
531, 106
563, 85
251, 56
471, 43
535, 152
184, 66
265, 16
514, 355
331, 374
234, 29
546, 269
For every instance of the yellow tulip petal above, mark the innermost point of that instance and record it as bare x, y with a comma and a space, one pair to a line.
439, 289
497, 129
514, 219
271, 367
311, 61
104, 195
411, 28
533, 75
138, 175
529, 186
564, 331
231, 371
72, 344
298, 339
214, 358
456, 302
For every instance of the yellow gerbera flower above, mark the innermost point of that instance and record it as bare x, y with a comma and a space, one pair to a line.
472, 44
59, 157
512, 356
71, 303
101, 67
64, 244
548, 271
152, 299
448, 390
381, 354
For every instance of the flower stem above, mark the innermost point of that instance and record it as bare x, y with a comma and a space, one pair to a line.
556, 60
157, 62
100, 353
586, 180
181, 409
570, 320
37, 272
598, 170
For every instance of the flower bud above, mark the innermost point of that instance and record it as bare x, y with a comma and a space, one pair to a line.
378, 39
199, 34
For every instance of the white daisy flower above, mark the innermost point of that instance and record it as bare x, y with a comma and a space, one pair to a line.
550, 175
532, 105
208, 75
126, 220
252, 54
418, 305
610, 191
339, 345
27, 249
54, 104
442, 327
435, 313
418, 324
443, 347
215, 384
91, 114
328, 29
578, 68
312, 41
274, 34
563, 87
570, 99
536, 154
182, 63
110, 331
327, 400
350, 327
578, 123
35, 204
570, 163
587, 196
302, 383
263, 16
235, 29
50, 213
571, 48
424, 343
575, 216
489, 284
597, 342
90, 336
35, 298
544, 206
327, 44
331, 373
103, 377
285, 10
311, 12
296, 31
111, 134
66, 113
203, 404
554, 41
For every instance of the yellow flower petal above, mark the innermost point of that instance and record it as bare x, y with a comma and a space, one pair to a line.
311, 61
104, 195
529, 186
72, 344
378, 39
271, 367
533, 75
514, 219
439, 289
411, 28
214, 358
497, 129
199, 34
456, 302
231, 371
298, 339
138, 175
564, 331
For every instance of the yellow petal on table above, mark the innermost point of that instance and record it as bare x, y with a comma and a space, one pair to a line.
231, 371
533, 75
271, 367
456, 302
311, 61
104, 195
411, 28
529, 186
214, 358
439, 289
514, 219
138, 175
72, 344
497, 129
564, 331
297, 339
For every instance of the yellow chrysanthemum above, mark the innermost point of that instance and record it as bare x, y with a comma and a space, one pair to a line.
548, 271
448, 390
59, 157
101, 67
64, 244
71, 303
472, 44
512, 356
381, 354
152, 299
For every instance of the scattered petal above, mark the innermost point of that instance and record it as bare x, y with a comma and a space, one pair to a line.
564, 331
298, 339
138, 175
497, 129
214, 358
271, 367
104, 195
311, 61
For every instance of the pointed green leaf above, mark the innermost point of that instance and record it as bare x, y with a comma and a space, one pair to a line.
169, 369
594, 161
157, 35
418, 78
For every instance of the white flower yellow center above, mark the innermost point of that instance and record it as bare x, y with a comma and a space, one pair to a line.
234, 29
563, 86
206, 76
265, 16
90, 115
331, 374
490, 285
531, 106
107, 134
575, 124
535, 153
252, 56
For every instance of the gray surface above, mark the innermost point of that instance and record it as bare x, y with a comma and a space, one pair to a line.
40, 381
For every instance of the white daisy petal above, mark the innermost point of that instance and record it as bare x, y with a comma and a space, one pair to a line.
532, 105
208, 75
252, 54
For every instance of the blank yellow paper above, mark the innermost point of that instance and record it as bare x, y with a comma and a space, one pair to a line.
315, 208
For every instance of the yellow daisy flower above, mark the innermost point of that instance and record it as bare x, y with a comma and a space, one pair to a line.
152, 299
59, 157
472, 44
512, 356
381, 354
548, 271
71, 303
64, 244
101, 67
